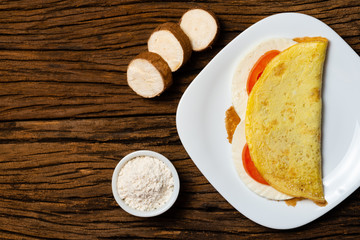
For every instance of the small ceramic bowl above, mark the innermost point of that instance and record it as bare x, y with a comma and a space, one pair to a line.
159, 210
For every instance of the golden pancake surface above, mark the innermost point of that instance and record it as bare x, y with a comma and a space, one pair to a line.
283, 121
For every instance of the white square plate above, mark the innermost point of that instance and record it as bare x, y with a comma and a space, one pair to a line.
201, 112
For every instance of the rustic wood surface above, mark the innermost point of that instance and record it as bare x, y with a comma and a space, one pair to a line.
67, 117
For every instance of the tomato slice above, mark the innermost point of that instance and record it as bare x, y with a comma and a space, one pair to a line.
254, 75
258, 68
250, 167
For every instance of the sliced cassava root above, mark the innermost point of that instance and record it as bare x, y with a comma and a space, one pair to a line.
201, 26
171, 43
149, 75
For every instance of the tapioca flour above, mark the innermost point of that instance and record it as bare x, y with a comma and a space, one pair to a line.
145, 183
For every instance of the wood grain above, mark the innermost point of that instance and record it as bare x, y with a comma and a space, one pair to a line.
67, 117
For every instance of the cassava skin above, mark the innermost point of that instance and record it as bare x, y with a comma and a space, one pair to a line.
171, 43
148, 75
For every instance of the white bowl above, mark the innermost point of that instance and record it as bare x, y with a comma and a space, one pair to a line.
159, 210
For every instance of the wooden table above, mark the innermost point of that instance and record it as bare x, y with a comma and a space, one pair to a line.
67, 117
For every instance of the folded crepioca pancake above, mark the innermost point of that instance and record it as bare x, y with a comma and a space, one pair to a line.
283, 121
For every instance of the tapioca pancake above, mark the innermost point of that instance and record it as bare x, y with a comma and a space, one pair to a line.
283, 121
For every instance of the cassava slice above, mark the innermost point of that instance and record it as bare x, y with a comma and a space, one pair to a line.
171, 43
201, 26
149, 75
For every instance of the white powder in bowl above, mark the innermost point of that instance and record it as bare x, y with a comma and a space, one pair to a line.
145, 183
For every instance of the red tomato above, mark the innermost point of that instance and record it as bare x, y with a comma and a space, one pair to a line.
250, 167
254, 75
258, 68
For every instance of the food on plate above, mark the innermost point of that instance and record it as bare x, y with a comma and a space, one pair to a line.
239, 91
231, 122
277, 150
149, 75
252, 60
238, 145
171, 43
283, 130
201, 26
